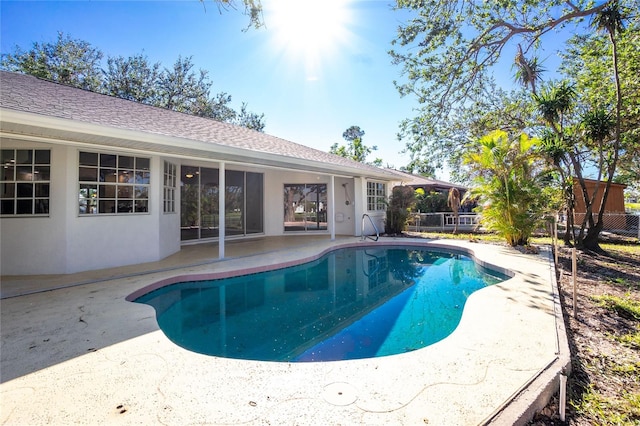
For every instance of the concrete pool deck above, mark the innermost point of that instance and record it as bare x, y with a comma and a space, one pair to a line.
82, 354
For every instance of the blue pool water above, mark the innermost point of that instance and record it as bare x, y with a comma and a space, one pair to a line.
352, 303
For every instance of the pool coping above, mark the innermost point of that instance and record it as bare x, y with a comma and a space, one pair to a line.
517, 405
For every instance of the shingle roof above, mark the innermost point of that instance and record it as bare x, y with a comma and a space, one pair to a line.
29, 94
416, 180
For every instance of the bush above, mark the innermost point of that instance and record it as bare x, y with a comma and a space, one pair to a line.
508, 183
432, 202
401, 201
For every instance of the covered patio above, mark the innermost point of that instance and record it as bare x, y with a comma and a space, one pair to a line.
189, 256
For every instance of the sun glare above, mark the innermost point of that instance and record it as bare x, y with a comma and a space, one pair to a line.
308, 29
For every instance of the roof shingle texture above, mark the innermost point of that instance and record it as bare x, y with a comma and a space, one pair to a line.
26, 93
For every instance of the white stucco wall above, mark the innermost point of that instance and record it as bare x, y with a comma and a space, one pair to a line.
104, 241
37, 244
377, 217
67, 242
345, 215
274, 200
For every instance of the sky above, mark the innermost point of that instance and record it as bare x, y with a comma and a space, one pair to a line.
312, 72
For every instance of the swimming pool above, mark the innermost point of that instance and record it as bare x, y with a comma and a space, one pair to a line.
351, 303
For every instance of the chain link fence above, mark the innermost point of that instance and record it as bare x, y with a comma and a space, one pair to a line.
614, 224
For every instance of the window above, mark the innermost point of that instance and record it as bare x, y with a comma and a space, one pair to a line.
378, 270
169, 187
305, 207
376, 196
25, 181
113, 184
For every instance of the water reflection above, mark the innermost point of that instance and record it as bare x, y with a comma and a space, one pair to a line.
352, 303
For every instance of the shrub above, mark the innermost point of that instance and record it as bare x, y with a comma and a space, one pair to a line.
400, 203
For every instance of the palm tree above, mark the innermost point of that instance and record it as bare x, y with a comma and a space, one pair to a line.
453, 201
528, 71
609, 20
506, 185
553, 104
555, 101
554, 150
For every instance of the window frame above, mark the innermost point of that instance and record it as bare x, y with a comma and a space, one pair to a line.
33, 190
170, 178
320, 203
376, 196
120, 183
205, 186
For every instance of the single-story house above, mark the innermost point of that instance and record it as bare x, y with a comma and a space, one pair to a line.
91, 181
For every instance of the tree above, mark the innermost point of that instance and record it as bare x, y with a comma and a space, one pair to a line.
356, 150
216, 107
528, 70
430, 203
132, 78
583, 62
505, 176
180, 88
448, 62
590, 127
453, 202
252, 8
420, 167
353, 133
250, 120
67, 61
492, 108
608, 20
558, 142
400, 203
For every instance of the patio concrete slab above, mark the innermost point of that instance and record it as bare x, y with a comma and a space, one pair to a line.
85, 355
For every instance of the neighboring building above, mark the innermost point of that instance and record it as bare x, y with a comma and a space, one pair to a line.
91, 181
427, 184
433, 185
614, 217
615, 199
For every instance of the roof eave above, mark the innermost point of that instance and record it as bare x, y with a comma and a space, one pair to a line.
20, 123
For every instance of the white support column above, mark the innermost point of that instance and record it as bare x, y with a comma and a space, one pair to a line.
222, 189
331, 211
360, 203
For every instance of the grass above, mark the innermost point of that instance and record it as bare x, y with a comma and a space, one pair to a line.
622, 282
481, 237
628, 308
629, 369
604, 410
624, 306
624, 248
633, 341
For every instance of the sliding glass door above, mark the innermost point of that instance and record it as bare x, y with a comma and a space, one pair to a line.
305, 207
200, 210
